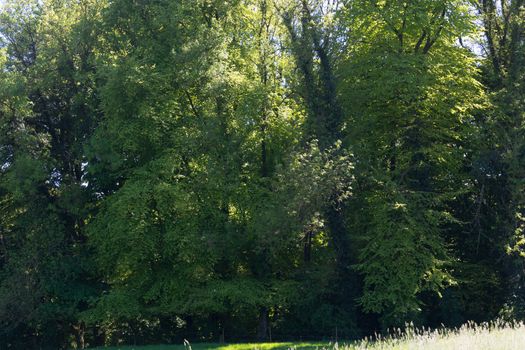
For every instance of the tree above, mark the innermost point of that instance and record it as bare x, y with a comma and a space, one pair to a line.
502, 174
49, 108
411, 95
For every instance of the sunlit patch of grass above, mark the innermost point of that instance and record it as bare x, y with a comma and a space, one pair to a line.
244, 346
487, 336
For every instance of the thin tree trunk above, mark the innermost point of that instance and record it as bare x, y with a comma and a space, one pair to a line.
262, 328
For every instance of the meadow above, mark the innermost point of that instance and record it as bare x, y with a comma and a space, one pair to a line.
496, 336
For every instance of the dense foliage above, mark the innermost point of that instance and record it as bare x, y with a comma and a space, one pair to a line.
258, 169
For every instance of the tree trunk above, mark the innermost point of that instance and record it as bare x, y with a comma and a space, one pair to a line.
80, 330
262, 328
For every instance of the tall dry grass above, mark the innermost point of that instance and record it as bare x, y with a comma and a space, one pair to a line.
497, 335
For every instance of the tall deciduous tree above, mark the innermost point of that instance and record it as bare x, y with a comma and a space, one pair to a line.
502, 170
49, 110
411, 94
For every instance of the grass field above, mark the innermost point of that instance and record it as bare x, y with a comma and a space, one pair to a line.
469, 337
245, 346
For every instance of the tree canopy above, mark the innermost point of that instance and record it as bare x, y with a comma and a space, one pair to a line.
258, 169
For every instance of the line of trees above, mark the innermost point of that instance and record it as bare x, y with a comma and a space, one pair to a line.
213, 169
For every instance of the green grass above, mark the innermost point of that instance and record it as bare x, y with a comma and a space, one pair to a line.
245, 346
495, 336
